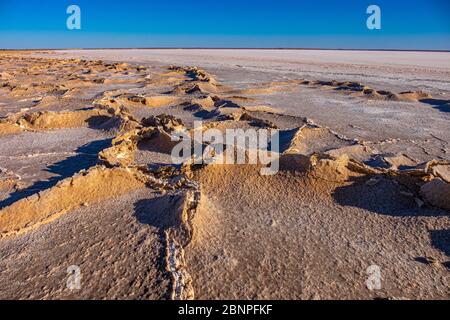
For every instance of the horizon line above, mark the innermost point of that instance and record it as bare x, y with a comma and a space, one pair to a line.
228, 48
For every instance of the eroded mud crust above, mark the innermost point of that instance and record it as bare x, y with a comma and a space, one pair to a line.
86, 179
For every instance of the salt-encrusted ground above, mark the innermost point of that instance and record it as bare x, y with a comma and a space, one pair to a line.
86, 177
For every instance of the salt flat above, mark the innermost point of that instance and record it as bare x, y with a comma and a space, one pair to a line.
86, 177
389, 71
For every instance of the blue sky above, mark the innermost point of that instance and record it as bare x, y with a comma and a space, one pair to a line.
420, 24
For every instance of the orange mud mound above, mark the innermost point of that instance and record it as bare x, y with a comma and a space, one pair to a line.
49, 120
91, 186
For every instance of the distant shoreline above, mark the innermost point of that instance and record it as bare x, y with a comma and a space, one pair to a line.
225, 48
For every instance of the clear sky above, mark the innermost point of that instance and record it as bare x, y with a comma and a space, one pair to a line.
420, 24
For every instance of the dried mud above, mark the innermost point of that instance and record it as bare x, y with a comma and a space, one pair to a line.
219, 230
